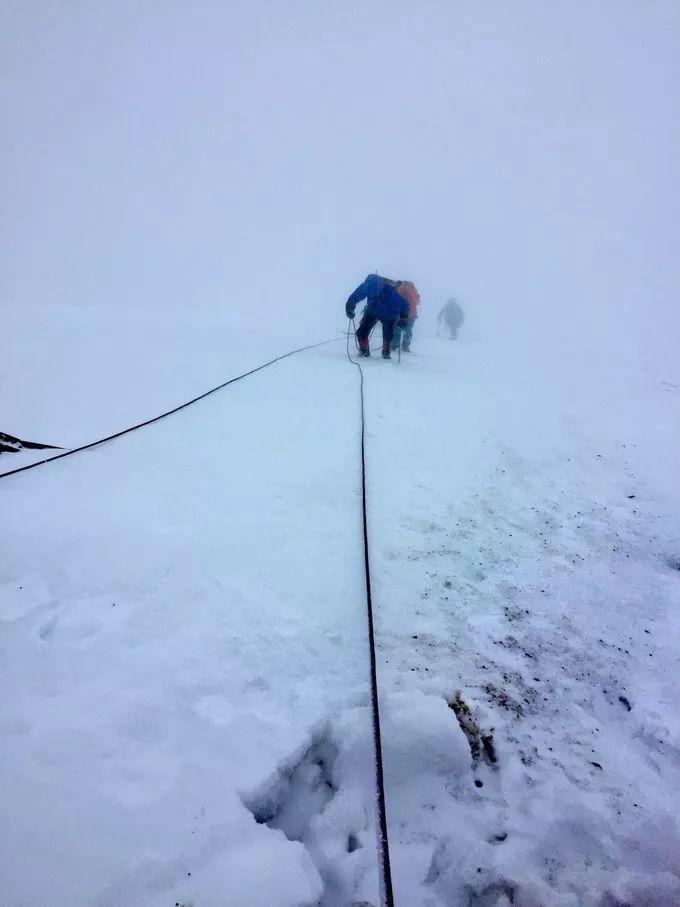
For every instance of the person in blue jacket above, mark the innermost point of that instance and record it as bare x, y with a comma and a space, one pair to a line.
385, 304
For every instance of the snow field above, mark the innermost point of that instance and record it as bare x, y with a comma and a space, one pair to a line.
185, 659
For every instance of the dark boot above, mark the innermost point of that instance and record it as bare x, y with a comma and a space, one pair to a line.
365, 353
386, 354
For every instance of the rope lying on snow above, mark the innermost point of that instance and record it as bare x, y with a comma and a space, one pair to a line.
170, 412
385, 869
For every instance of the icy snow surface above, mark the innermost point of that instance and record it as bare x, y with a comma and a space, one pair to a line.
184, 661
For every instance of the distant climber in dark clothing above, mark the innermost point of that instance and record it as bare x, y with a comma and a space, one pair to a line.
452, 316
384, 304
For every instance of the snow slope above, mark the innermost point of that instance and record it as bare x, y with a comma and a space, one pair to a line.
132, 571
526, 538
184, 641
138, 363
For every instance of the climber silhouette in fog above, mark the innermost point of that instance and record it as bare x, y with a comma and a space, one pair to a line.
452, 317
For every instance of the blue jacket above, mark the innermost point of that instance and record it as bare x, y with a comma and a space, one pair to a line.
383, 300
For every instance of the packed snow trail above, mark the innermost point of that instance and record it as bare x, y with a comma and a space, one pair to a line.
524, 540
184, 649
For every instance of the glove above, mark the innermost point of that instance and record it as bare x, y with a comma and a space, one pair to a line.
402, 321
349, 310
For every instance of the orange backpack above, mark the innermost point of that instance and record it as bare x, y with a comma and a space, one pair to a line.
408, 291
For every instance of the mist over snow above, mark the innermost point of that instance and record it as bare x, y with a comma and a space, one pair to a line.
265, 156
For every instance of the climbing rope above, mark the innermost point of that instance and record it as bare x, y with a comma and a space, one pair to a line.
385, 869
170, 412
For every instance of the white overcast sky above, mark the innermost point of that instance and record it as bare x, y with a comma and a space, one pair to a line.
260, 154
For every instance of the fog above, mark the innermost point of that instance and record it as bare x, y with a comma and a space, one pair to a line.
262, 157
